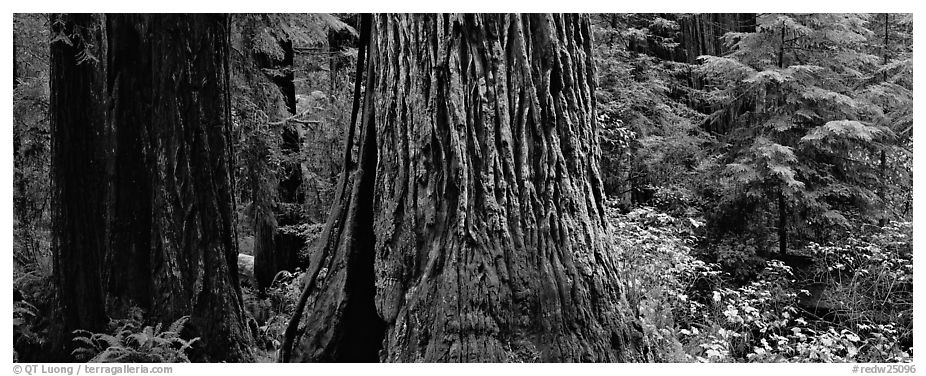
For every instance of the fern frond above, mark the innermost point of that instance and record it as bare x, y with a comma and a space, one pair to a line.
109, 340
84, 353
149, 331
110, 355
177, 325
85, 342
169, 335
139, 339
82, 333
189, 344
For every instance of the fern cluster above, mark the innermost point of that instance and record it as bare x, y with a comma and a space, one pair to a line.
132, 342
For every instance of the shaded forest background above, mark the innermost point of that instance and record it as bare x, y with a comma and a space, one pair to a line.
757, 170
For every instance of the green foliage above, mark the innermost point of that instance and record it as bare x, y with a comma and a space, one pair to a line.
256, 103
31, 140
730, 320
32, 314
868, 278
659, 273
267, 29
740, 258
649, 137
271, 311
28, 336
691, 310
32, 264
86, 35
310, 234
261, 116
762, 322
327, 114
817, 122
130, 342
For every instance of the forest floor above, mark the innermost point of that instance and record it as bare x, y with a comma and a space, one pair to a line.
845, 302
697, 302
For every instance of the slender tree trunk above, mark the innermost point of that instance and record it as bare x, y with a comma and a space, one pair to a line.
258, 90
338, 39
781, 49
782, 225
782, 208
882, 172
274, 248
286, 82
266, 260
15, 64
885, 51
21, 203
882, 168
702, 34
290, 190
472, 226
78, 154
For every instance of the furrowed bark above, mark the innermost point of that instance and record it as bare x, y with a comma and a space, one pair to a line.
487, 213
172, 121
194, 248
489, 217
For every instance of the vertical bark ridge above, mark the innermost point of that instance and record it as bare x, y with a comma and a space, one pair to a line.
171, 122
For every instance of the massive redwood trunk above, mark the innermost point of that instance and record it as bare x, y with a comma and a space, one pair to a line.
175, 215
471, 226
78, 158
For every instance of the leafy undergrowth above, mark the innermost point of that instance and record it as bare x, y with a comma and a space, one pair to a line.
32, 309
269, 313
691, 310
128, 340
